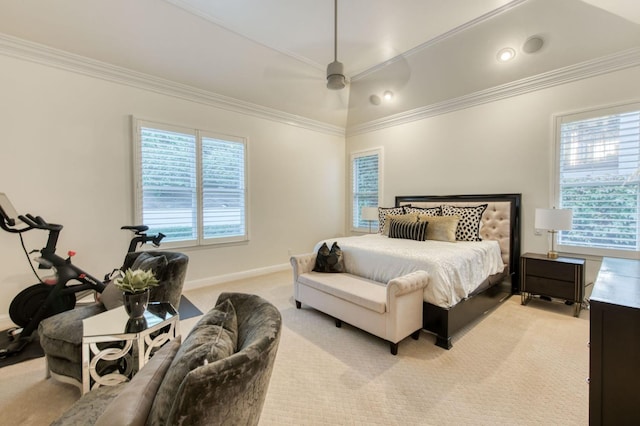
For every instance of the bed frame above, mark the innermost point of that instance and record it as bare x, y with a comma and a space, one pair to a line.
501, 222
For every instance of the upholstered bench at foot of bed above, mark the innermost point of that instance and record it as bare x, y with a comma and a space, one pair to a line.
390, 311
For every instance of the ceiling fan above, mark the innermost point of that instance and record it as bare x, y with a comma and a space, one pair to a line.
336, 79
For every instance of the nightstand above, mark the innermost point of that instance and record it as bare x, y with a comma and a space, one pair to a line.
562, 278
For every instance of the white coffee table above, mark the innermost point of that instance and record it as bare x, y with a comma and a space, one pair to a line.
132, 343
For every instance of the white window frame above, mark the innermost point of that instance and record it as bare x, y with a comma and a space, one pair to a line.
200, 240
379, 151
556, 193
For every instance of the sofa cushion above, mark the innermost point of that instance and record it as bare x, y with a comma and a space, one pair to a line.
214, 337
87, 409
360, 291
61, 338
132, 405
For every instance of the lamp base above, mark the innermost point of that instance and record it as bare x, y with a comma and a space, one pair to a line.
552, 254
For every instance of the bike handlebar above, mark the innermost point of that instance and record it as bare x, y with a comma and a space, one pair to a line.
39, 223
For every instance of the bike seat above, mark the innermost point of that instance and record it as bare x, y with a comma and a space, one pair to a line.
137, 228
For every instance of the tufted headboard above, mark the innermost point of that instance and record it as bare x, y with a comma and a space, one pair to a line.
500, 221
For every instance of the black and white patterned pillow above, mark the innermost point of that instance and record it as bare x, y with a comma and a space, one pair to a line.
408, 230
384, 211
425, 211
469, 226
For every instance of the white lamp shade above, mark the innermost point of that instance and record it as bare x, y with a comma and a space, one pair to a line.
369, 213
554, 219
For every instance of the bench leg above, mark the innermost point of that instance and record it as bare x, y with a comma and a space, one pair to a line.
394, 348
338, 323
415, 335
298, 305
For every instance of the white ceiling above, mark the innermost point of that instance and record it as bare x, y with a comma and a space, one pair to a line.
273, 53
369, 31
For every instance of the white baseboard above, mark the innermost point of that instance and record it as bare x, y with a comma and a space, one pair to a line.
5, 320
220, 279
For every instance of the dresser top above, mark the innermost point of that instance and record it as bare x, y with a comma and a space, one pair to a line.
618, 283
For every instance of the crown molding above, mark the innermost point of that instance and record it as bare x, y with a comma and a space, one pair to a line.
606, 64
457, 30
45, 55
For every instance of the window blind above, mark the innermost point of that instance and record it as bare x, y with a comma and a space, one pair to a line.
190, 184
223, 188
599, 179
365, 186
168, 176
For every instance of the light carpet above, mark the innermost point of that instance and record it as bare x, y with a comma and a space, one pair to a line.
518, 365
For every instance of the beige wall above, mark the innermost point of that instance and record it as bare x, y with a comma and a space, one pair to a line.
66, 155
500, 147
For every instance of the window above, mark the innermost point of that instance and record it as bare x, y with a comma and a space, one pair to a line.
598, 177
190, 184
366, 169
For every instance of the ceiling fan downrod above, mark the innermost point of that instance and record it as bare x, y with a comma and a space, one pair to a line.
335, 70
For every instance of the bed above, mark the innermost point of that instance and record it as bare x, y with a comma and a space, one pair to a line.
467, 278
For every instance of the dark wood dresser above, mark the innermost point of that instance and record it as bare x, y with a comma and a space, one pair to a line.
614, 350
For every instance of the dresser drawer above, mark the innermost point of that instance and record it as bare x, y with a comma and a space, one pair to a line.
550, 287
553, 270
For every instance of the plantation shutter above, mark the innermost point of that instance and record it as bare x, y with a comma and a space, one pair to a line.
223, 181
190, 184
365, 185
169, 183
599, 178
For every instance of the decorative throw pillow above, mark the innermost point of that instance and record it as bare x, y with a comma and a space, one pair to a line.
111, 296
407, 230
146, 261
409, 217
214, 337
132, 405
384, 211
469, 225
441, 228
329, 260
424, 211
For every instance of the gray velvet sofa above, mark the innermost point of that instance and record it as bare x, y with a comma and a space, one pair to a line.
218, 375
61, 334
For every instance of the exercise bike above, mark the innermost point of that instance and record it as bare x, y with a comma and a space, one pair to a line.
59, 292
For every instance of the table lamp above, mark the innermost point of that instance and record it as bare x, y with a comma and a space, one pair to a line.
553, 220
369, 214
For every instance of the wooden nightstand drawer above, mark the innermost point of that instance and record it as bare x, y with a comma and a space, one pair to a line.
553, 270
562, 278
549, 287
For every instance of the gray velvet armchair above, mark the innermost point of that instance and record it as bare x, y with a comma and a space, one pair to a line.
61, 334
219, 375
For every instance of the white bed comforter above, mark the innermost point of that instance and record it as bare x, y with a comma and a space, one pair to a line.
455, 269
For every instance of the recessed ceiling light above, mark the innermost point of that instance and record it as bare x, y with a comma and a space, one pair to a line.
388, 95
506, 54
374, 99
